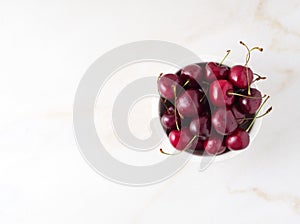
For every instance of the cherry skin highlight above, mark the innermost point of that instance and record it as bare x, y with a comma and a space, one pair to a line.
218, 93
238, 76
166, 85
238, 140
215, 71
250, 105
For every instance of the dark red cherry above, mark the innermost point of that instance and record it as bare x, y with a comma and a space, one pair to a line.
198, 144
205, 107
238, 140
168, 120
201, 127
239, 116
166, 84
218, 93
238, 76
197, 147
180, 139
250, 105
214, 145
188, 103
224, 121
192, 73
215, 71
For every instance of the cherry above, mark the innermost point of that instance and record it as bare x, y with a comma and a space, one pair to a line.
239, 116
165, 106
250, 105
180, 139
189, 103
238, 140
224, 121
238, 76
167, 84
214, 145
168, 120
218, 93
197, 147
201, 127
242, 76
215, 71
198, 144
205, 95
192, 75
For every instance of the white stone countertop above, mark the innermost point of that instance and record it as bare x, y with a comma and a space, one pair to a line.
46, 47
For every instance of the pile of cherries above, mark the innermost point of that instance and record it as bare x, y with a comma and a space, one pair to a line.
210, 107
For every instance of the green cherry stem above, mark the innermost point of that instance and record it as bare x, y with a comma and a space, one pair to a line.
265, 113
256, 114
247, 61
227, 53
260, 116
246, 96
246, 65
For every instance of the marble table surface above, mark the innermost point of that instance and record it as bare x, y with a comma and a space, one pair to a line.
46, 47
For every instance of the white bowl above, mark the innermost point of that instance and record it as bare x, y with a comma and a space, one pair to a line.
254, 130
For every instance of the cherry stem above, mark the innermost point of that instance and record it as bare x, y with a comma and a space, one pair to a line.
176, 122
246, 64
247, 61
265, 113
256, 114
228, 52
185, 148
187, 82
258, 77
257, 48
260, 116
169, 154
160, 75
246, 96
248, 54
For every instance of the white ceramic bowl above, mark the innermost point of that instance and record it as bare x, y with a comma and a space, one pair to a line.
254, 130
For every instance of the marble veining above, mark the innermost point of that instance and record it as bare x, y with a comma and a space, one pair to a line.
45, 48
291, 200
